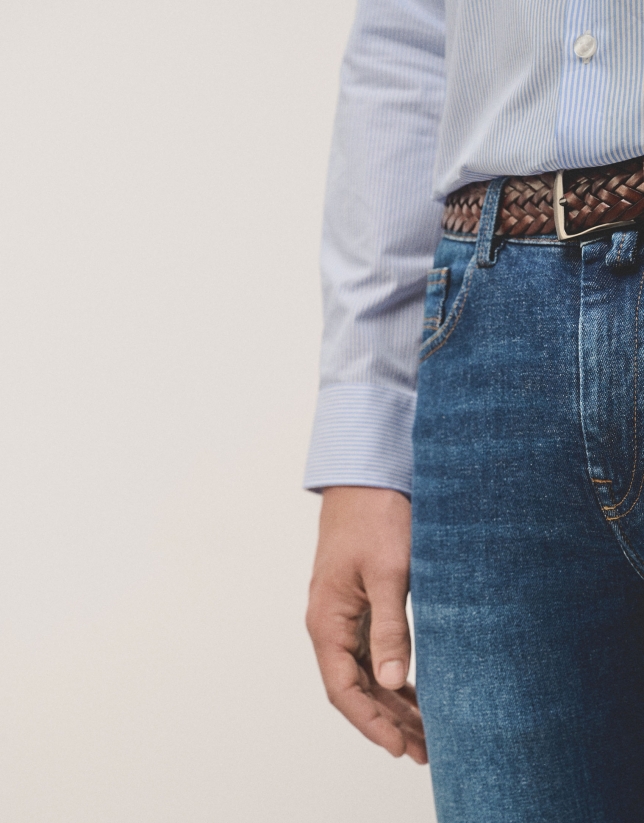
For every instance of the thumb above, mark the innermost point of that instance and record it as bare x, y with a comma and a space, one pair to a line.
389, 635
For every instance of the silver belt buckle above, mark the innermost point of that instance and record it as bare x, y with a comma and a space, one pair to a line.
558, 205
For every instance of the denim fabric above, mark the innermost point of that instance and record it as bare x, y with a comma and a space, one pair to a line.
528, 528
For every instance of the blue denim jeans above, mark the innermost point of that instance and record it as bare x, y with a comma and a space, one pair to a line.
528, 528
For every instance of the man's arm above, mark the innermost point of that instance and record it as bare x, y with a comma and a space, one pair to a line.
381, 228
380, 231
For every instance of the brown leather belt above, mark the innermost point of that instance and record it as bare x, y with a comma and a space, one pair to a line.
572, 203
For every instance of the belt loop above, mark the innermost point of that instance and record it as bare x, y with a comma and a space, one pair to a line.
485, 254
623, 251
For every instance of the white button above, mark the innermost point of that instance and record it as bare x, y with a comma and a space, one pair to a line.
585, 46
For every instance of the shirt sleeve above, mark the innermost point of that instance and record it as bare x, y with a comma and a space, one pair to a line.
381, 228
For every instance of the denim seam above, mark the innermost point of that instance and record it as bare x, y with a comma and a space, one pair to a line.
433, 321
635, 380
631, 555
486, 254
628, 551
451, 321
623, 514
620, 248
624, 543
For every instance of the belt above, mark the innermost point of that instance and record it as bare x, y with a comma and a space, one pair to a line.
572, 203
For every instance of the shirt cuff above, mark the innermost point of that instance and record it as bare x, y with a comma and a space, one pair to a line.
361, 437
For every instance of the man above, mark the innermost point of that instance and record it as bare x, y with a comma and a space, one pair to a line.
522, 333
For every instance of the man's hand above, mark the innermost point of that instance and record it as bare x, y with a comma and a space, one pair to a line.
356, 615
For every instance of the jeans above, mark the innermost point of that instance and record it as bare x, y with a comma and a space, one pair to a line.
528, 528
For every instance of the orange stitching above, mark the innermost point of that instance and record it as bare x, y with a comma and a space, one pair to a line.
454, 322
619, 516
630, 485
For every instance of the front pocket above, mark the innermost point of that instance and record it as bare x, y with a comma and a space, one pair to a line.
435, 296
444, 303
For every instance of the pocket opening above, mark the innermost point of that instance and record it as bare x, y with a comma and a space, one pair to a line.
444, 302
435, 297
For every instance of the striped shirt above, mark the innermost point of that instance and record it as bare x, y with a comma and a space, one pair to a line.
435, 94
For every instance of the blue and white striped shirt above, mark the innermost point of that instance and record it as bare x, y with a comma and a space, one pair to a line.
435, 94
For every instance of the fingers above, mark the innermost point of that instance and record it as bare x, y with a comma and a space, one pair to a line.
349, 690
389, 719
390, 641
403, 712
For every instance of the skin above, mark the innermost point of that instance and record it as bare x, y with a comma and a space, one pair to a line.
356, 615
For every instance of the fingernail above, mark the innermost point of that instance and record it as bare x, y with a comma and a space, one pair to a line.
392, 674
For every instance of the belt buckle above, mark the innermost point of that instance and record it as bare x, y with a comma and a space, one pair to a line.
558, 205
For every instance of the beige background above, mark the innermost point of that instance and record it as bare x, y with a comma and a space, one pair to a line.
162, 171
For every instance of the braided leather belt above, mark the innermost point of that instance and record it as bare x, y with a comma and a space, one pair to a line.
572, 203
